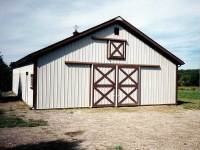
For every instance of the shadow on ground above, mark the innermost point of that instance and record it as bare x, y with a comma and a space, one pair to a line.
6, 99
180, 102
2, 112
52, 145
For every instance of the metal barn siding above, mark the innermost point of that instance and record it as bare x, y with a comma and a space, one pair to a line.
152, 83
22, 82
62, 86
15, 81
56, 90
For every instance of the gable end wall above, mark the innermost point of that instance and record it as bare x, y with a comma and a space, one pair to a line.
53, 74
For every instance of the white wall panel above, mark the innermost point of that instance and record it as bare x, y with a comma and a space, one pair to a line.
153, 83
57, 75
15, 80
22, 82
72, 91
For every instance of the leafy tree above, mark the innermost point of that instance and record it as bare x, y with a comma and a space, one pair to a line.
188, 77
5, 76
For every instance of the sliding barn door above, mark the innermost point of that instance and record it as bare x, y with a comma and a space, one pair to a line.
115, 85
104, 85
127, 85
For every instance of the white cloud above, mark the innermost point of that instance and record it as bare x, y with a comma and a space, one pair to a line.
30, 25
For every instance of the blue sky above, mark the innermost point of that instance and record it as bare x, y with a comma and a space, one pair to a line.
29, 25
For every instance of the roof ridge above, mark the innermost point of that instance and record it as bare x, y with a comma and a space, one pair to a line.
132, 29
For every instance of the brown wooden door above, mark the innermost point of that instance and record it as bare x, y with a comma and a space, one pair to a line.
104, 85
127, 85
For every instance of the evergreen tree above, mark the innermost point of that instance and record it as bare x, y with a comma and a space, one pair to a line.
5, 76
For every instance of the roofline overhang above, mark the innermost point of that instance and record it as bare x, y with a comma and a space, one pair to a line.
31, 58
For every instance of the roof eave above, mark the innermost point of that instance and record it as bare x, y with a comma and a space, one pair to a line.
33, 56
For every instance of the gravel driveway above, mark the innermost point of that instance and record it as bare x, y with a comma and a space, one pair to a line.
148, 127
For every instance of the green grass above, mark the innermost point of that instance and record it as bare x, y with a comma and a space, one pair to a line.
189, 93
118, 147
13, 121
189, 97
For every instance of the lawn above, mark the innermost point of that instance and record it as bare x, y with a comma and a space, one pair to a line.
189, 97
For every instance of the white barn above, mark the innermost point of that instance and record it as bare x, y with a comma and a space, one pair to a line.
111, 64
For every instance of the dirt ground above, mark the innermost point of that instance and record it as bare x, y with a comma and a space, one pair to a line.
147, 127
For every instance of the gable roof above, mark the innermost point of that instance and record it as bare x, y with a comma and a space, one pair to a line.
117, 20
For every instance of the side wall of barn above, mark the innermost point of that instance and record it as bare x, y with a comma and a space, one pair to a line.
64, 86
21, 84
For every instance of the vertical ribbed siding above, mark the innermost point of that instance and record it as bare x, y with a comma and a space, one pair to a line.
19, 74
15, 80
157, 87
55, 78
62, 86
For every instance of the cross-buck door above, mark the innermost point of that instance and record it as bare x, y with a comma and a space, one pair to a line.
127, 85
104, 85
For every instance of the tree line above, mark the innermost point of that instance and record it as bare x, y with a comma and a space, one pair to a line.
189, 77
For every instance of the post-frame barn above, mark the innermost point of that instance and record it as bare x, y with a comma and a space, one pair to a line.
111, 64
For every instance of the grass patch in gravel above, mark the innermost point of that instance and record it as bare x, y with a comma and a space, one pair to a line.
10, 121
